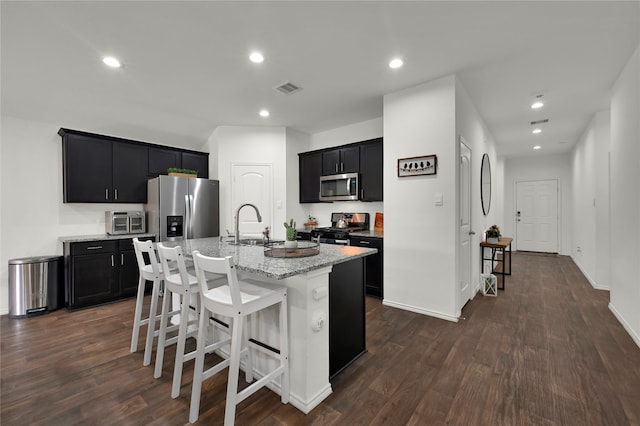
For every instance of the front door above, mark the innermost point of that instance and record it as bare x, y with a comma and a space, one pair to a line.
464, 271
537, 216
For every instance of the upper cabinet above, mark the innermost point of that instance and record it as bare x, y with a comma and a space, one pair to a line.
105, 169
310, 164
160, 159
371, 170
196, 161
341, 160
363, 157
163, 158
96, 170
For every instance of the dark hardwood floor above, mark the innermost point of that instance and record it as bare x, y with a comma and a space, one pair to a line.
547, 351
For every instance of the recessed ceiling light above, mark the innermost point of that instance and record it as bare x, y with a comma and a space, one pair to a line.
537, 147
264, 113
395, 63
111, 62
537, 103
256, 57
536, 131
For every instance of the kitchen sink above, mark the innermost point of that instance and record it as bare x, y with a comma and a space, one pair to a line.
254, 242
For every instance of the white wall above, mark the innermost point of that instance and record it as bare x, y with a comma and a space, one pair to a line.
33, 213
356, 132
420, 237
251, 145
590, 224
539, 168
625, 197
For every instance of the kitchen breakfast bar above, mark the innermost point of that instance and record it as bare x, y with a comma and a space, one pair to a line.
322, 288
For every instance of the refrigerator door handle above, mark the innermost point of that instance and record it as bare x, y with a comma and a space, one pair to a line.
187, 224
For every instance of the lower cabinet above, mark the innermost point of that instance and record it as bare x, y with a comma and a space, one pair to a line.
373, 275
99, 272
346, 315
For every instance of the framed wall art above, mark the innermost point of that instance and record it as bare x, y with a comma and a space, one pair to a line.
417, 166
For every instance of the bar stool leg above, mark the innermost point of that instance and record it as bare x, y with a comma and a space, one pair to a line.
182, 337
151, 328
137, 317
284, 350
196, 388
234, 370
162, 334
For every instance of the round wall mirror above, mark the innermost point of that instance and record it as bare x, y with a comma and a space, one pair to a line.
485, 184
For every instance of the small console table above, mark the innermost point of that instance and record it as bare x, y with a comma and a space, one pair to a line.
503, 247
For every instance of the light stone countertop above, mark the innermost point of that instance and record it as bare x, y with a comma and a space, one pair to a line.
252, 259
102, 237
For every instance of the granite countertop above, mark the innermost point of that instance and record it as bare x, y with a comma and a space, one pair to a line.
369, 233
252, 259
102, 237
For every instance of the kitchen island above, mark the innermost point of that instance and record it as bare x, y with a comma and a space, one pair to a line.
309, 280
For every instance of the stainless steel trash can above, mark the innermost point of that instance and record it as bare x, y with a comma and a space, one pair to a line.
35, 285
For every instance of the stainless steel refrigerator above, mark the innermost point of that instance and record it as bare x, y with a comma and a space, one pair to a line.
183, 208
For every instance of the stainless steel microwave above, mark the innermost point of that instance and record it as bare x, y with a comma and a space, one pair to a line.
343, 187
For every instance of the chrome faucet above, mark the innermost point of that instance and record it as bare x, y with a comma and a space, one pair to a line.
237, 234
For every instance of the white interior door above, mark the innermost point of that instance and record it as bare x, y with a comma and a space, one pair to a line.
537, 216
464, 266
252, 183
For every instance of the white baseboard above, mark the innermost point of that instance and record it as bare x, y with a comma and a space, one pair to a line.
422, 311
620, 318
586, 275
4, 311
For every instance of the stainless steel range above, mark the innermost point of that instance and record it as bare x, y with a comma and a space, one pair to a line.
342, 225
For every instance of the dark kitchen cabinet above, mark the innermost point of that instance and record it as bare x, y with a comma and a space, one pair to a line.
196, 161
130, 170
373, 271
100, 271
341, 160
161, 159
371, 175
99, 170
347, 315
310, 168
106, 169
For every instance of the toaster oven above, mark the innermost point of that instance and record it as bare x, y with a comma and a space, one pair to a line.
120, 222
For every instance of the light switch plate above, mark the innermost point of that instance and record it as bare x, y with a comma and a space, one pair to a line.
438, 199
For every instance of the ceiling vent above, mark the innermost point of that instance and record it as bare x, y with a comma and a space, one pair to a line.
287, 88
546, 120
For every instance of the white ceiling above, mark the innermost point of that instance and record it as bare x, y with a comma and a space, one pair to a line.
186, 68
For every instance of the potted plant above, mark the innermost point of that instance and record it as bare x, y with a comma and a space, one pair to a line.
175, 171
493, 234
291, 242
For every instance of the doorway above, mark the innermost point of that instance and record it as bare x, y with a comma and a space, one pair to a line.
537, 216
251, 183
464, 266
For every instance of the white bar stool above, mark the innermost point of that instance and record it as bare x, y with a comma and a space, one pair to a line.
148, 272
237, 300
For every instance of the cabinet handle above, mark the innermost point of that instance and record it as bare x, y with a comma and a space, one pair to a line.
342, 167
364, 242
122, 259
336, 167
361, 193
106, 193
112, 263
116, 193
94, 248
